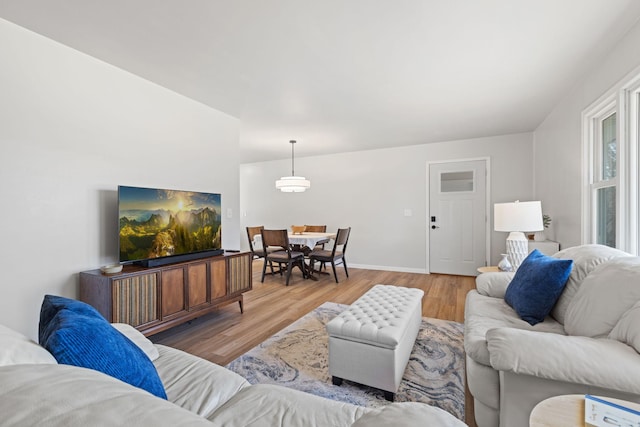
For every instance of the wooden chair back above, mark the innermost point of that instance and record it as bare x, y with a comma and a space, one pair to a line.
342, 238
275, 238
251, 233
315, 228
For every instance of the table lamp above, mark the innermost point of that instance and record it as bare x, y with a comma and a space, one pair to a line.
517, 217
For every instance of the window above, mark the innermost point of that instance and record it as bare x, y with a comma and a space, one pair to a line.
456, 181
611, 182
605, 186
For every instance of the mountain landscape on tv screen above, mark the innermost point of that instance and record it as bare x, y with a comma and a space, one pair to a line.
166, 233
160, 223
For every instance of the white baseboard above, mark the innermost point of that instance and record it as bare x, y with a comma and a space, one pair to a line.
388, 268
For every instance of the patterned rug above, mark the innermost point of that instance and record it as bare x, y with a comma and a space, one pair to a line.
297, 357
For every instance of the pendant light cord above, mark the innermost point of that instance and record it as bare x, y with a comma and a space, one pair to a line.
292, 157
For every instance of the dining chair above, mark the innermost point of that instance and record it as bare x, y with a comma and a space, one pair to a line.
257, 252
316, 228
283, 254
252, 232
335, 255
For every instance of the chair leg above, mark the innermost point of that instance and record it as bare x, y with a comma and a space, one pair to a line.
344, 263
264, 270
303, 268
335, 274
311, 264
289, 268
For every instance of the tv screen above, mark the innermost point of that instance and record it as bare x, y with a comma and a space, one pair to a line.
156, 223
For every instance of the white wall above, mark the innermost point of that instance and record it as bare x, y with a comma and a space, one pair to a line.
369, 191
72, 129
558, 145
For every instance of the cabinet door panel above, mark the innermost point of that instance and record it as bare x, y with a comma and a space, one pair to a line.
239, 274
173, 292
218, 279
197, 284
135, 299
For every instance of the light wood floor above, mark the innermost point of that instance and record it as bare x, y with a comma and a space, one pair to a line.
226, 334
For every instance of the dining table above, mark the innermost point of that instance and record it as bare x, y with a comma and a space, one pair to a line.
304, 242
307, 238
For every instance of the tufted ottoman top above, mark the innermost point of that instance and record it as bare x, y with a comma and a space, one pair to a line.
379, 317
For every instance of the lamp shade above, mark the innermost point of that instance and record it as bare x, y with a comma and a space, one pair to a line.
293, 184
518, 216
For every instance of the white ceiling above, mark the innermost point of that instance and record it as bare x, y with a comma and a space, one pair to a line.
347, 75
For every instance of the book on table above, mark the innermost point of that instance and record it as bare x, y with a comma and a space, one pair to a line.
600, 412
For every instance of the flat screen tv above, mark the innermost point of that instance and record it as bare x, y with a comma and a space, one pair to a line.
160, 227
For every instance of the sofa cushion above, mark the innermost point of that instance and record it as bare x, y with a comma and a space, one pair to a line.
196, 384
585, 258
408, 414
482, 313
266, 405
627, 330
605, 295
536, 286
16, 349
76, 334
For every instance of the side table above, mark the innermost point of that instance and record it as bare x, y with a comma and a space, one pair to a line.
489, 269
559, 411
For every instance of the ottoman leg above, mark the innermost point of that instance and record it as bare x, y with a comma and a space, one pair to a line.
389, 396
336, 381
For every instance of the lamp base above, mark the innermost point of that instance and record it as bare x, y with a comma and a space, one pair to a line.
517, 248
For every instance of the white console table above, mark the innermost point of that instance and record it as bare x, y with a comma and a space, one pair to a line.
547, 247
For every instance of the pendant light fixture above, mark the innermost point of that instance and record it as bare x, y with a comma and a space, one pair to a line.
293, 183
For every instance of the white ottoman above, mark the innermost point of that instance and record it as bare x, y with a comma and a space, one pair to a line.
371, 341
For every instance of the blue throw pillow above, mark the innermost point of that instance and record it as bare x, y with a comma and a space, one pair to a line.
537, 285
76, 334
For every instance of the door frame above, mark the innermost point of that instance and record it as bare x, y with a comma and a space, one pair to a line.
487, 212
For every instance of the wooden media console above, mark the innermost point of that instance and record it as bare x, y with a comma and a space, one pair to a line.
158, 298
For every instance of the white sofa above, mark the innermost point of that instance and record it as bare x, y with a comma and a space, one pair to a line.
36, 391
588, 344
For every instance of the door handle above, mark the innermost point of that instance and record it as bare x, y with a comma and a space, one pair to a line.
433, 227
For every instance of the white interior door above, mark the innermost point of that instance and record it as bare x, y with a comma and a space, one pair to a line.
457, 217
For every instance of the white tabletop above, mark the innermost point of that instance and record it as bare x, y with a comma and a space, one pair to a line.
307, 238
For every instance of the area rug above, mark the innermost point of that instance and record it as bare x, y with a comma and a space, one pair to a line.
297, 357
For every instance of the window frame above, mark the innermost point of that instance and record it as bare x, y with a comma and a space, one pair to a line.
624, 101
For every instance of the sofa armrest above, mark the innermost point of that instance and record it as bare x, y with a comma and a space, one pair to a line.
597, 362
494, 284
